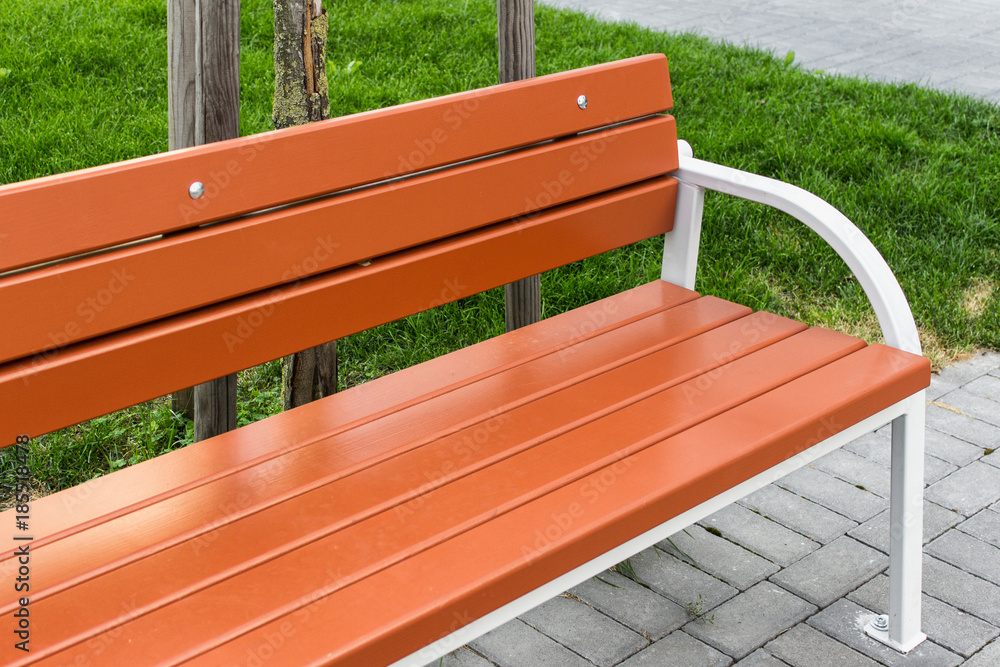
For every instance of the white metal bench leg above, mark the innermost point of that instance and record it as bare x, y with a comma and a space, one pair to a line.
680, 246
901, 629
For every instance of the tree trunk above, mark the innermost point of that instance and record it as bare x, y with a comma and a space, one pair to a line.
300, 96
516, 46
203, 45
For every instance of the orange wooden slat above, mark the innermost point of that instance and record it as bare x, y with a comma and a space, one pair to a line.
224, 338
357, 551
138, 284
82, 504
462, 427
351, 499
451, 584
60, 216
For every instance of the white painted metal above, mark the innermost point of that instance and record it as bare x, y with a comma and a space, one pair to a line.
680, 246
905, 530
536, 597
680, 260
841, 234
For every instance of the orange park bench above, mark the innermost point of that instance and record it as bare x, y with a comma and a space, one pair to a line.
393, 522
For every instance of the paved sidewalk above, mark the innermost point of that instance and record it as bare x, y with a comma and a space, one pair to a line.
947, 44
787, 576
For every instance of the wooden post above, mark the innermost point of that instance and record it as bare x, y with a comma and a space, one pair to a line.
516, 46
203, 47
301, 96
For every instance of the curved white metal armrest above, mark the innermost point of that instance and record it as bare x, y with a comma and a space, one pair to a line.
841, 234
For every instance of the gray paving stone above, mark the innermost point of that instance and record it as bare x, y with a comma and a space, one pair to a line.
877, 447
844, 621
986, 436
968, 553
516, 644
962, 590
804, 646
748, 621
801, 515
827, 574
980, 407
988, 657
762, 536
984, 526
678, 648
760, 658
679, 581
583, 630
952, 628
719, 557
875, 531
632, 605
856, 470
968, 489
985, 385
939, 387
833, 493
993, 459
969, 370
949, 448
463, 657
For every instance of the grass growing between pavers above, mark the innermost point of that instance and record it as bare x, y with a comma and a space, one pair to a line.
84, 83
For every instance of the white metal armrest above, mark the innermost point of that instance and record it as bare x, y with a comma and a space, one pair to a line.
899, 629
841, 234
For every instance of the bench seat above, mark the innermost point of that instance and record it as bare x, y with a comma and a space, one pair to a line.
409, 506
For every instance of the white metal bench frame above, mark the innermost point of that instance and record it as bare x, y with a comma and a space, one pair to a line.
900, 629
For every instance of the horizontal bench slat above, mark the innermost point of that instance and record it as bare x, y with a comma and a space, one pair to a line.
64, 215
80, 506
487, 566
593, 419
228, 337
190, 509
612, 429
139, 284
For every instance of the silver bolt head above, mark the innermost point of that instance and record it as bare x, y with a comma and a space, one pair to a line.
581, 101
197, 190
881, 622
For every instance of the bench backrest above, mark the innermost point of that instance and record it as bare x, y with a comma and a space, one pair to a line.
197, 263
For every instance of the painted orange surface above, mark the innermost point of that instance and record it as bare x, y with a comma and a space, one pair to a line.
361, 526
365, 514
84, 379
142, 283
63, 215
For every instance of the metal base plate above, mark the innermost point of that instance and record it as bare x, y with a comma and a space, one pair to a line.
883, 636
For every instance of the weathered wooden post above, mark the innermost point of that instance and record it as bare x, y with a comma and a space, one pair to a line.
300, 96
203, 47
516, 46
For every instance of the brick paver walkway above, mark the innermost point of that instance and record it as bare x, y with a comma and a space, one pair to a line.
948, 44
788, 575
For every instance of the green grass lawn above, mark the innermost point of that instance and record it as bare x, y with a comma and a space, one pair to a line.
83, 82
